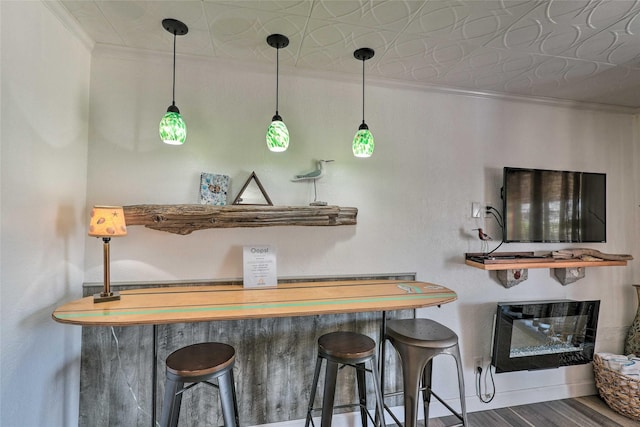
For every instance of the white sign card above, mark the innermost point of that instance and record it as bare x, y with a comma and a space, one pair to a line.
259, 266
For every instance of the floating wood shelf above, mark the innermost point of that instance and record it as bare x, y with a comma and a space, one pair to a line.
542, 263
184, 219
512, 268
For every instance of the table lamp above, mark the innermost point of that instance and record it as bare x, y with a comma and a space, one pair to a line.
107, 222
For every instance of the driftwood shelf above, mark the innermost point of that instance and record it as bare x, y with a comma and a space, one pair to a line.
184, 219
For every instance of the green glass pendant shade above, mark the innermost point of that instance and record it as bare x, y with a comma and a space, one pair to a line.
363, 144
173, 129
277, 135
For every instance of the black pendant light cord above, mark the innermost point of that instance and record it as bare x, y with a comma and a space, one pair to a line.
277, 77
176, 28
173, 94
363, 91
363, 54
277, 41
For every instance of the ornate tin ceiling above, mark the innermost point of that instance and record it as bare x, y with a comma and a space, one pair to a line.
577, 50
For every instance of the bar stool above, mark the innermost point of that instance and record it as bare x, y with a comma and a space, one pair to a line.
347, 349
418, 341
200, 363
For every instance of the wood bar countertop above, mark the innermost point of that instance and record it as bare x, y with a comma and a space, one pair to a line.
233, 302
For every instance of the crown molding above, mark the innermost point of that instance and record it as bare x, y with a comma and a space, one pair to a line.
70, 23
134, 54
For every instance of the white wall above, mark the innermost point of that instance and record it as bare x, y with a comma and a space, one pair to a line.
45, 101
435, 154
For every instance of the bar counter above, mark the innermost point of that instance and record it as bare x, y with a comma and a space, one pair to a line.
274, 331
233, 302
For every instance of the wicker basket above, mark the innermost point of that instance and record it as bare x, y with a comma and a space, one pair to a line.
621, 392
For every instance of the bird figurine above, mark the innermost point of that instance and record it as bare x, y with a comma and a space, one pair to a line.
484, 238
482, 235
314, 176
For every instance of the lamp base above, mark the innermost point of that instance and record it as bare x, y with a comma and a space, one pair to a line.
104, 297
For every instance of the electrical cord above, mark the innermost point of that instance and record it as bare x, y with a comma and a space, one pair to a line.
121, 370
494, 249
488, 397
490, 210
493, 211
496, 218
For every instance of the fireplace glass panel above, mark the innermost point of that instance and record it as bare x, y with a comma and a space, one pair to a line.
544, 334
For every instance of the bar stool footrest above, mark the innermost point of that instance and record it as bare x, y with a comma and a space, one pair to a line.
393, 416
446, 405
345, 406
423, 390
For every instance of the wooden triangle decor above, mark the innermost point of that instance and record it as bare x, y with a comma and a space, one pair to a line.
252, 193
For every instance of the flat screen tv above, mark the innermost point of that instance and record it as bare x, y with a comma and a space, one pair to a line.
554, 206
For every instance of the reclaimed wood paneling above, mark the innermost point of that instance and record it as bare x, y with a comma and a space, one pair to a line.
116, 374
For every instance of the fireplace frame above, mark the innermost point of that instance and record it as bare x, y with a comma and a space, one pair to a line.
582, 341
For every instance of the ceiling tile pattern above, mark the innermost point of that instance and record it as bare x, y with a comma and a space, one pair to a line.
577, 50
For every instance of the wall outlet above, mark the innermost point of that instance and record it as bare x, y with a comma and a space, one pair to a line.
478, 363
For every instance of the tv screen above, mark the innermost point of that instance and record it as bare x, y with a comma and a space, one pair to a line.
554, 206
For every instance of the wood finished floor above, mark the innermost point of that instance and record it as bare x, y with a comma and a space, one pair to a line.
588, 411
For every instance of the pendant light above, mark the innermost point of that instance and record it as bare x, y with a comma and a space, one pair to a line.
173, 129
277, 133
363, 141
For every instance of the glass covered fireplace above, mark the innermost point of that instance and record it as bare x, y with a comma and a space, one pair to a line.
544, 334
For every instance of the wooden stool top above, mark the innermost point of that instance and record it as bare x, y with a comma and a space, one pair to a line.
346, 345
200, 359
421, 333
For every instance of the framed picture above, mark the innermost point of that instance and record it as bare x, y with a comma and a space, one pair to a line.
213, 189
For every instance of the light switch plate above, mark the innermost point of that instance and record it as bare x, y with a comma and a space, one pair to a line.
475, 210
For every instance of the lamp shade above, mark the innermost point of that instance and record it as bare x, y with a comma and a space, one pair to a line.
173, 129
363, 144
107, 221
277, 135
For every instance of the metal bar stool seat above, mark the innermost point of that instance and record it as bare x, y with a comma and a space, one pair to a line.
200, 363
417, 342
347, 349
